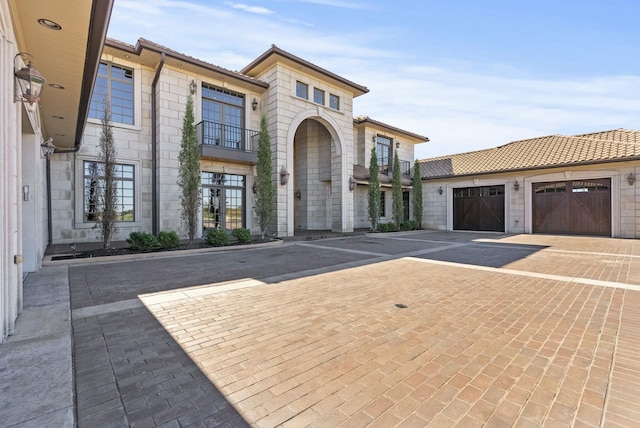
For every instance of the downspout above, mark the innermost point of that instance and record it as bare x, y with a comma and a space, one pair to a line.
155, 217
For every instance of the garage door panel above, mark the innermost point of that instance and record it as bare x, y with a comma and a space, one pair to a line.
579, 207
479, 208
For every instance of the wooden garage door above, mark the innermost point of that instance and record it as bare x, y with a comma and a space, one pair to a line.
578, 207
479, 208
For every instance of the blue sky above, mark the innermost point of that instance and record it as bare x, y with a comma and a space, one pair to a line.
467, 74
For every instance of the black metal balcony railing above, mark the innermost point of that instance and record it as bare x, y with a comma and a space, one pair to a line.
228, 137
405, 168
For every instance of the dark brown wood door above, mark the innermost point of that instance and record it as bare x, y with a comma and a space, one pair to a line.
578, 207
479, 208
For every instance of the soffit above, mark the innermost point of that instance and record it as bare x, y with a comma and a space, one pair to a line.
60, 57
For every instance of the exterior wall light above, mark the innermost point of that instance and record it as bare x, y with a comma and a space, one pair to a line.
298, 194
48, 148
352, 183
516, 186
440, 190
284, 175
29, 80
193, 87
397, 144
631, 178
254, 104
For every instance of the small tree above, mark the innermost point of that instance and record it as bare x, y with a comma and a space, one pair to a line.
416, 186
396, 186
189, 173
374, 190
106, 192
265, 192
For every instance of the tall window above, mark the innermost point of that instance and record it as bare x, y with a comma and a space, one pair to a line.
318, 96
223, 200
383, 151
383, 205
302, 90
94, 186
115, 85
334, 102
223, 116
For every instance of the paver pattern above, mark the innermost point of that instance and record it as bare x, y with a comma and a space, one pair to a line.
461, 330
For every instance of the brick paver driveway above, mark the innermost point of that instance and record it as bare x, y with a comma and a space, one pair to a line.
415, 329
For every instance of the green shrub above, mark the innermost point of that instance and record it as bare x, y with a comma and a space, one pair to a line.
409, 225
168, 239
217, 237
142, 241
383, 227
392, 227
242, 235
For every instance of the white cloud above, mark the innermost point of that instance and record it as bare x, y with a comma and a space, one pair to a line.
251, 9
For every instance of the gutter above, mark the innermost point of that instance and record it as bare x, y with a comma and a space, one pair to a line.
155, 220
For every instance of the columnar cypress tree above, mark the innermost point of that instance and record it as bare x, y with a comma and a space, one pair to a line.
107, 193
189, 173
265, 192
416, 186
396, 183
374, 190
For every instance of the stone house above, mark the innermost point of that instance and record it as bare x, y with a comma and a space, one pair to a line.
577, 185
317, 145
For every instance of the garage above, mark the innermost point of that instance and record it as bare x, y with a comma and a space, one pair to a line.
479, 208
578, 207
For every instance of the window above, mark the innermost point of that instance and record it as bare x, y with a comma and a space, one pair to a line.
302, 90
383, 152
94, 187
114, 84
383, 205
334, 102
222, 117
223, 200
318, 96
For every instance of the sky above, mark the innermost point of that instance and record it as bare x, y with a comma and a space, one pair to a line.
468, 74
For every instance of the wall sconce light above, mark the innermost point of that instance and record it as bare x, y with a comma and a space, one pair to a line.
298, 194
516, 186
254, 188
284, 175
440, 191
29, 80
254, 104
352, 183
48, 148
631, 178
193, 87
397, 144
374, 138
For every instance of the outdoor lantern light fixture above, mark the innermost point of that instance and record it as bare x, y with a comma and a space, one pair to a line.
284, 175
298, 194
440, 191
631, 178
193, 87
48, 148
516, 186
29, 80
397, 144
254, 104
352, 183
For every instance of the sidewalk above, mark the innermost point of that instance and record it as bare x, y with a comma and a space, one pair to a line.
35, 362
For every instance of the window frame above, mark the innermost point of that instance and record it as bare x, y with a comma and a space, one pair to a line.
301, 85
332, 105
318, 96
119, 187
113, 81
79, 221
383, 203
389, 157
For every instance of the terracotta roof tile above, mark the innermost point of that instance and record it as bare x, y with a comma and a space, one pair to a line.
541, 152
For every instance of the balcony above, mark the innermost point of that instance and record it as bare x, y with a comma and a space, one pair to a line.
405, 168
227, 143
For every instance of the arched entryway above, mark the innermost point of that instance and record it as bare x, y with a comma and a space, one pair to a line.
318, 191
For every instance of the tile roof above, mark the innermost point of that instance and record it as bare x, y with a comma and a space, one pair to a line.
536, 153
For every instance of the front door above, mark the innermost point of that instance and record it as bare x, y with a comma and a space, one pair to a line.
223, 197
